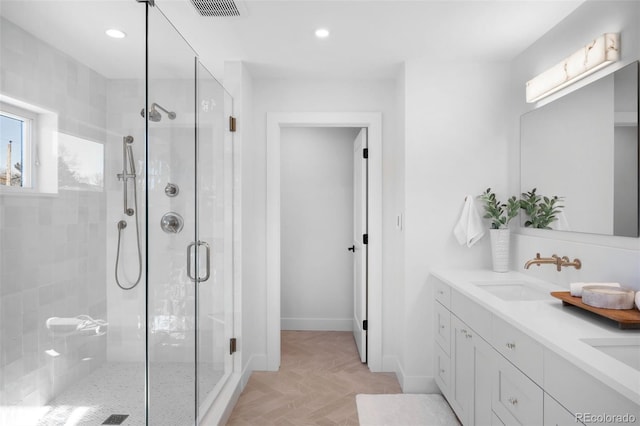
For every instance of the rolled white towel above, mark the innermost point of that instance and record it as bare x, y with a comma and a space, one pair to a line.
638, 300
576, 288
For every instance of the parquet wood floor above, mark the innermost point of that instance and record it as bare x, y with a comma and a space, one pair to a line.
320, 375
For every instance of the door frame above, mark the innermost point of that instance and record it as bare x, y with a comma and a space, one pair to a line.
373, 122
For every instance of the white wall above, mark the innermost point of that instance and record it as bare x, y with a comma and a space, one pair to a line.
316, 227
52, 245
456, 144
309, 96
604, 258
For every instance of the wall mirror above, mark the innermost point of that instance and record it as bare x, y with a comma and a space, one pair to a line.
584, 147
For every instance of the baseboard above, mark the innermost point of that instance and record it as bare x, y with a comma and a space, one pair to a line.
223, 406
255, 363
390, 364
416, 384
316, 324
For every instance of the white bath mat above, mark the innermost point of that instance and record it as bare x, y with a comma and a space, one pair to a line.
404, 410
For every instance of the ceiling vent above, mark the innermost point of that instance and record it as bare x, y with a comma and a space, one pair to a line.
220, 8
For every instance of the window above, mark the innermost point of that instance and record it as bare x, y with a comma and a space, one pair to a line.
16, 146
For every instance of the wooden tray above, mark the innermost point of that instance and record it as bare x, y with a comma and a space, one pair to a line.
626, 318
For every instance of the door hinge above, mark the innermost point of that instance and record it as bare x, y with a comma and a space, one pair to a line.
232, 345
365, 325
232, 123
365, 239
365, 153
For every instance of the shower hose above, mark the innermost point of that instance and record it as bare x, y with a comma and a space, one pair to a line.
121, 225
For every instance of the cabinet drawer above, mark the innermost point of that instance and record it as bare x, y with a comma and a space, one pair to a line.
562, 379
470, 312
516, 399
556, 415
443, 371
442, 293
524, 352
443, 327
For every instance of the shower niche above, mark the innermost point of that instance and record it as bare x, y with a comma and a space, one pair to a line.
110, 317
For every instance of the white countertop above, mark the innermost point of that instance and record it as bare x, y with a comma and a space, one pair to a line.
557, 328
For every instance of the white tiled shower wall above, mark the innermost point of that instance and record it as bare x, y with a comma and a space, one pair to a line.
52, 247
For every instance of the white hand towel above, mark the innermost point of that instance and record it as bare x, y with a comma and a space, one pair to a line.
576, 288
638, 300
469, 229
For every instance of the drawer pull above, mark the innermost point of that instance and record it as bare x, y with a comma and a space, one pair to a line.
442, 370
513, 401
469, 336
511, 345
440, 292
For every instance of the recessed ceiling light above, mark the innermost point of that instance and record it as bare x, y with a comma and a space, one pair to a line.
322, 33
115, 33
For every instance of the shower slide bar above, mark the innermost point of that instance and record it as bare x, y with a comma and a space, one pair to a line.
127, 158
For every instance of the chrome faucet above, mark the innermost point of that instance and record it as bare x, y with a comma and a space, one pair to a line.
554, 260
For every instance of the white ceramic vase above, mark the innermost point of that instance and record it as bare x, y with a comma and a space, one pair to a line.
500, 249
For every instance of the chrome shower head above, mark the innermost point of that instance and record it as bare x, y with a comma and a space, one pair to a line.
154, 114
170, 114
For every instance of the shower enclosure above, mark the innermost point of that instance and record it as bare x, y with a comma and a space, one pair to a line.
116, 221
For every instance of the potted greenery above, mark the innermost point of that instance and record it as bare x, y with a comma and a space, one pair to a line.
541, 210
500, 215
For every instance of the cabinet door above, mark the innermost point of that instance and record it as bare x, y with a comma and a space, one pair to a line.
556, 415
483, 359
462, 371
443, 371
443, 327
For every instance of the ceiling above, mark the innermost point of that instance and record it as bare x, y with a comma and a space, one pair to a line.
369, 38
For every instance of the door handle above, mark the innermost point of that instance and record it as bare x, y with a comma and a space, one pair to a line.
352, 248
189, 249
208, 261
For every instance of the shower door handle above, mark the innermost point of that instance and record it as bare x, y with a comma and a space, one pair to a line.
207, 261
189, 251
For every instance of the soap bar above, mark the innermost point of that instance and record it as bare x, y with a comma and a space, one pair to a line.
608, 297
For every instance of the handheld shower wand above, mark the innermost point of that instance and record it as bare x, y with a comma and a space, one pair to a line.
127, 159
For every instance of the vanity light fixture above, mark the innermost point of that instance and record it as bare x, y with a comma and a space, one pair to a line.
115, 33
322, 33
596, 55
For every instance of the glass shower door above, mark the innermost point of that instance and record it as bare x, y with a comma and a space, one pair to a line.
189, 216
171, 225
214, 292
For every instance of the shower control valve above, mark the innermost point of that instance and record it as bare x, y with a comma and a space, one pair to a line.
171, 190
171, 223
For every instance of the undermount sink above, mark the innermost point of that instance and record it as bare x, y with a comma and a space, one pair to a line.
514, 290
624, 349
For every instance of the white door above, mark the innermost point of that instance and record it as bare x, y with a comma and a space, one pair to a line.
359, 247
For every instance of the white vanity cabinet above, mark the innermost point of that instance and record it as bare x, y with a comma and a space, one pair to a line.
493, 372
467, 388
470, 379
585, 395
